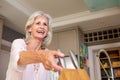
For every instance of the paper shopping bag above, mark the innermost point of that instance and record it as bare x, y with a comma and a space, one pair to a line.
74, 74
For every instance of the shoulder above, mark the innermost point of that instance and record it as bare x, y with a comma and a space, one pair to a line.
18, 41
18, 44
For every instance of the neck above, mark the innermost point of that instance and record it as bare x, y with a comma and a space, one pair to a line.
34, 44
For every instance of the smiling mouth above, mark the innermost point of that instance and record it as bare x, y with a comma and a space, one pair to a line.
40, 32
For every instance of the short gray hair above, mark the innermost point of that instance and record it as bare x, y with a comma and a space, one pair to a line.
48, 38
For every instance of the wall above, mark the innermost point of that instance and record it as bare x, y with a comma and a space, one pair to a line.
4, 59
4, 55
66, 40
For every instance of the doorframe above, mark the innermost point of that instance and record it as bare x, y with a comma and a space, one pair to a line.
91, 57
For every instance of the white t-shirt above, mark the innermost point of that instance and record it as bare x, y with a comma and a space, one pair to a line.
16, 72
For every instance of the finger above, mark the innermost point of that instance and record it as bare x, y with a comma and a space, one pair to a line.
57, 53
57, 67
47, 65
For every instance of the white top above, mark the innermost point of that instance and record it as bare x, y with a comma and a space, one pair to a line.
28, 72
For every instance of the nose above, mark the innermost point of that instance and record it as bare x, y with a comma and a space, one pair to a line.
41, 26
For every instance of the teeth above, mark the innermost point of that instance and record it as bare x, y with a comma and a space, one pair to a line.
40, 32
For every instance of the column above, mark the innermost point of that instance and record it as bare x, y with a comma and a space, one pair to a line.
1, 28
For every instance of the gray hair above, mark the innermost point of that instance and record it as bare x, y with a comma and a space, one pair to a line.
30, 21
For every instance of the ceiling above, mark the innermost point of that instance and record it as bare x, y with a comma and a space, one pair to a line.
87, 14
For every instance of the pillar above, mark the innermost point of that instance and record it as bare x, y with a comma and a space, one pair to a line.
1, 29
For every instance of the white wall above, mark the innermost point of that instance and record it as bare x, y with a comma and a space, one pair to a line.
4, 59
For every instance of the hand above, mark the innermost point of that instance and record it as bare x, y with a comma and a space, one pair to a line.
48, 59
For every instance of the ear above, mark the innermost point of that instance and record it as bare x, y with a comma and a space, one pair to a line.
29, 29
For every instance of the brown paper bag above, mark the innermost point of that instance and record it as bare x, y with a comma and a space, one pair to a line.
74, 74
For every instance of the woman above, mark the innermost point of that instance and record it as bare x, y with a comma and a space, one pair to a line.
29, 58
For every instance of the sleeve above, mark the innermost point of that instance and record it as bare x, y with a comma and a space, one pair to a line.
18, 45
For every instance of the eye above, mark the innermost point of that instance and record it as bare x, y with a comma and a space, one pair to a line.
45, 24
38, 23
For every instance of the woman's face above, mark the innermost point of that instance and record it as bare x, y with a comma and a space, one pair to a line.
39, 28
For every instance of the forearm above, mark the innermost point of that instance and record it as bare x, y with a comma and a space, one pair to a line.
28, 57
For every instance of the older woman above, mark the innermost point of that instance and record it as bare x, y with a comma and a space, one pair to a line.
29, 58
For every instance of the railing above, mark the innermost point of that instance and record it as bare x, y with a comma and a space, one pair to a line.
111, 68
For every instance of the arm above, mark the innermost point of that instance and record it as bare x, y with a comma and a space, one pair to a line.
20, 57
44, 56
28, 57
